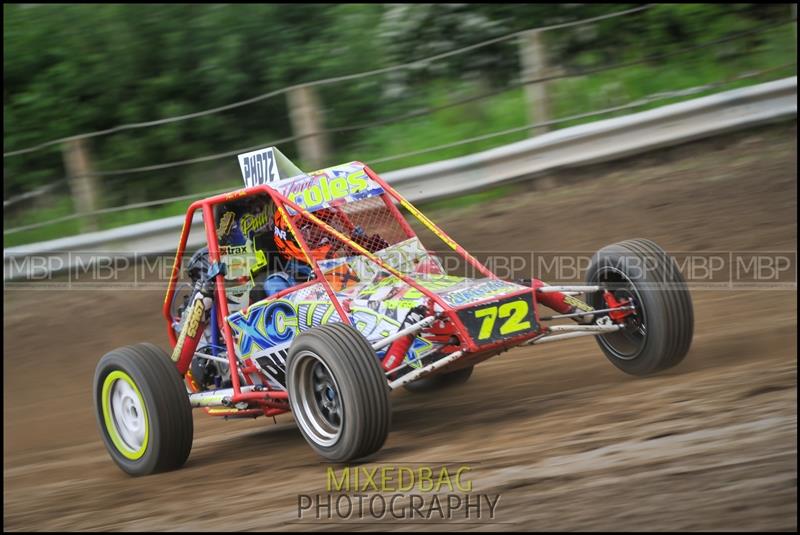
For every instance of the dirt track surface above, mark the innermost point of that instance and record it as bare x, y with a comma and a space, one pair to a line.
567, 440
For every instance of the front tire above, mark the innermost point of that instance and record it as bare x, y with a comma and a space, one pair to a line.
658, 335
143, 410
338, 392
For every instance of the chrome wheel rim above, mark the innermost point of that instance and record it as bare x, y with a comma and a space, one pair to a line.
316, 399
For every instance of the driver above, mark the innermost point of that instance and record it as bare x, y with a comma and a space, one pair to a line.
295, 268
321, 246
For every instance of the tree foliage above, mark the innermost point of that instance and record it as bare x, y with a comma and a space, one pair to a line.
70, 69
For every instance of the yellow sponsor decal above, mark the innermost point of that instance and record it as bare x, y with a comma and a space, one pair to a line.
190, 328
194, 318
327, 189
254, 222
231, 410
428, 223
577, 303
514, 314
225, 224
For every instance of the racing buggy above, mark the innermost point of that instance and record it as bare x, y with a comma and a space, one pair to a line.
315, 294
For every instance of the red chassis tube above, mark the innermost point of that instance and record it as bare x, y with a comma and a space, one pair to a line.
281, 202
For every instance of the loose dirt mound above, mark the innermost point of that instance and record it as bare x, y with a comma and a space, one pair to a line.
566, 440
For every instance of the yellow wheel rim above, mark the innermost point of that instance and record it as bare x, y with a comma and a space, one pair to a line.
125, 415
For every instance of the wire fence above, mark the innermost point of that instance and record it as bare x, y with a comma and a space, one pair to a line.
638, 103
326, 81
434, 109
655, 97
47, 188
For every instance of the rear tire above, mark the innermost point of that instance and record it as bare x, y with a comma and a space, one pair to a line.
338, 392
143, 410
658, 336
440, 380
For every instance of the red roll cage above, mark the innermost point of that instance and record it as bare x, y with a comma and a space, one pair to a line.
266, 396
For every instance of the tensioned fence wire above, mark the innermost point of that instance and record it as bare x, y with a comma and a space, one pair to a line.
655, 97
391, 120
424, 112
35, 193
434, 109
325, 81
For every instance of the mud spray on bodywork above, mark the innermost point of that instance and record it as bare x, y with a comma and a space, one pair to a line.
194, 325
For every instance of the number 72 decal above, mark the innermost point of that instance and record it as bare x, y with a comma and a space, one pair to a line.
501, 319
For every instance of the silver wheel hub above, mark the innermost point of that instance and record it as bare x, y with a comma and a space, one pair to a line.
315, 400
128, 414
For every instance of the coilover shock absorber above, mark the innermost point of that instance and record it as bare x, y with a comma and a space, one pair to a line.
562, 303
398, 349
194, 324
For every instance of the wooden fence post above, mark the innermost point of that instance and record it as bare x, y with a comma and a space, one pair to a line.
82, 182
305, 114
533, 60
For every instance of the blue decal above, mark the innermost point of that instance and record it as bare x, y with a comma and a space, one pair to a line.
263, 327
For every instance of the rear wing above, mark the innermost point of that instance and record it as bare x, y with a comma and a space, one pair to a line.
325, 188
